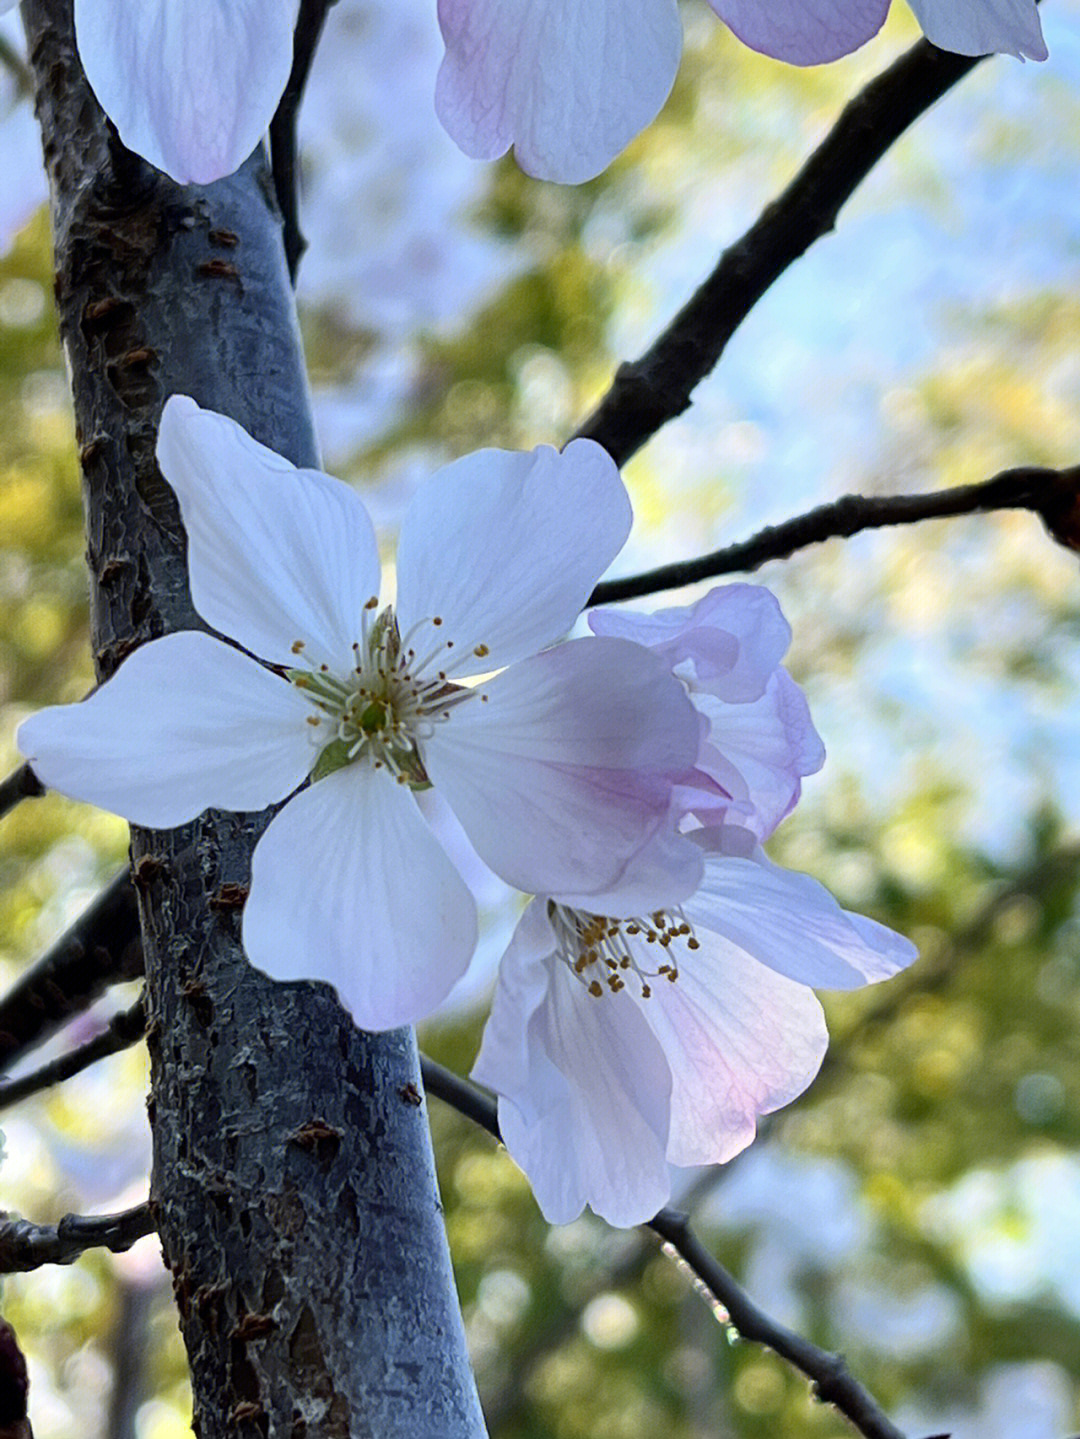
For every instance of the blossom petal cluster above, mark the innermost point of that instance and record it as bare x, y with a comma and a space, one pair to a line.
621, 1042
192, 85
559, 760
568, 83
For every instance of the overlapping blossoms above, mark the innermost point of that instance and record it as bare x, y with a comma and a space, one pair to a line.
622, 1043
561, 767
193, 84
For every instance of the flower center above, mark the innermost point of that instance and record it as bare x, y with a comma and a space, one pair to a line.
383, 710
601, 951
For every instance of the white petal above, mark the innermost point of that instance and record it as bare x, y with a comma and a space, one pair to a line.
566, 771
186, 723
275, 554
584, 1088
348, 885
568, 83
665, 872
505, 547
982, 27
792, 924
740, 1040
804, 32
191, 85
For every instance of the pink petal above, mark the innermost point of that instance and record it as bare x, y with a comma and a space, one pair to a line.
565, 772
506, 547
983, 27
804, 32
568, 83
583, 1087
275, 554
186, 723
740, 1040
758, 753
191, 85
729, 642
348, 885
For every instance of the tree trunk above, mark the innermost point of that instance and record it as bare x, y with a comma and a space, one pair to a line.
293, 1182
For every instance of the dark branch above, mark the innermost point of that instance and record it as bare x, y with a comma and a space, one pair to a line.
26, 1246
283, 144
122, 1031
21, 784
1054, 495
467, 1098
101, 948
650, 391
831, 1380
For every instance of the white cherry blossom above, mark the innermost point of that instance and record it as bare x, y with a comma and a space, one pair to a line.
560, 767
621, 1045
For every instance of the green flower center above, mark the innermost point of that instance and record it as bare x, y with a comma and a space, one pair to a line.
383, 710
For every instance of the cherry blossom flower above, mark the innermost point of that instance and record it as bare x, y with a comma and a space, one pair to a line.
621, 1041
620, 1046
560, 767
569, 83
760, 741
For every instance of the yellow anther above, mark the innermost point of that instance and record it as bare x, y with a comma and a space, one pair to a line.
297, 646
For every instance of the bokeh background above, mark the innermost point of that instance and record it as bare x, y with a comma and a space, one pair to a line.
919, 1208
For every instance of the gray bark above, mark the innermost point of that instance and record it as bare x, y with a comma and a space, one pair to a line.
293, 1181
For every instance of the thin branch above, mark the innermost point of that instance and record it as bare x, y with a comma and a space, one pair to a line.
650, 391
21, 784
283, 144
831, 1380
1054, 495
25, 1246
467, 1098
101, 948
122, 1031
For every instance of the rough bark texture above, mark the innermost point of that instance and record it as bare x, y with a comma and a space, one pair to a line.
293, 1180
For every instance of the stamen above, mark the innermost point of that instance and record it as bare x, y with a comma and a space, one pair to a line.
385, 706
586, 942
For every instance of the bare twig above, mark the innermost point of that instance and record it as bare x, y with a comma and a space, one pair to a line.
283, 153
122, 1031
831, 1380
1054, 495
21, 784
650, 391
101, 948
25, 1246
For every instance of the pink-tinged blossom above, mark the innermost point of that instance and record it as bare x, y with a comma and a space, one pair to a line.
760, 741
620, 1046
568, 83
560, 767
